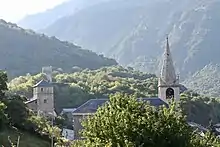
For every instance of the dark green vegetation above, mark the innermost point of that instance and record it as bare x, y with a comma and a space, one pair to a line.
23, 51
26, 139
126, 122
16, 120
87, 84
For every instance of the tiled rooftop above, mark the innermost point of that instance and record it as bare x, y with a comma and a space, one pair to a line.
92, 105
42, 83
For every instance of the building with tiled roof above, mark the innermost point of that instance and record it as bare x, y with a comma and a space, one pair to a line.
43, 98
168, 88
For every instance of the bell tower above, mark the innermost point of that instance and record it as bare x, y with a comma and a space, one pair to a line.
44, 93
168, 83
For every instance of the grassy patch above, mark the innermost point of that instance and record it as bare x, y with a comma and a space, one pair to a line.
26, 139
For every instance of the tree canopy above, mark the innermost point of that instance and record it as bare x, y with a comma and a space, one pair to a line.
124, 121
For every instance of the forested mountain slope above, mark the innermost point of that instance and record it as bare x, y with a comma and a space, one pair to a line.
24, 51
134, 32
206, 81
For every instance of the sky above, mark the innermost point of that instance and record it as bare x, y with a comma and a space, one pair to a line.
15, 10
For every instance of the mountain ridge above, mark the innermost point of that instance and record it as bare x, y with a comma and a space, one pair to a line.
138, 30
134, 33
24, 51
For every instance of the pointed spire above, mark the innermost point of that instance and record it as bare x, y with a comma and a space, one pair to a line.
168, 75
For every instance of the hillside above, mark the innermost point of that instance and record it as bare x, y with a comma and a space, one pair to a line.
24, 51
134, 32
206, 81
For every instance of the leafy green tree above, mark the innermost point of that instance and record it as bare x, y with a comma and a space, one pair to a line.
17, 112
3, 117
126, 122
3, 84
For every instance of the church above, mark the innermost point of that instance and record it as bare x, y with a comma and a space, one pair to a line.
168, 88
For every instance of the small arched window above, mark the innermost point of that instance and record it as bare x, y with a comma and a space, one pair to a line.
169, 93
41, 89
45, 101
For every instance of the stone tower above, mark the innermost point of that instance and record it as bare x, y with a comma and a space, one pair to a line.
44, 94
168, 83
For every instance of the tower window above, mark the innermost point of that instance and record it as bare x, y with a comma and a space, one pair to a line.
45, 101
169, 93
41, 89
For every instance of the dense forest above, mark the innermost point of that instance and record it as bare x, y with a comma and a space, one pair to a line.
24, 51
73, 89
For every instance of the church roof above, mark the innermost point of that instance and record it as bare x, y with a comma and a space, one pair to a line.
43, 83
168, 75
92, 105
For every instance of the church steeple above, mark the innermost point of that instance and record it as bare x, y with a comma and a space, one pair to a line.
168, 75
168, 83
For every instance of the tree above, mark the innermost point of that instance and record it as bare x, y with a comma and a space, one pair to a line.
3, 117
17, 112
126, 122
3, 84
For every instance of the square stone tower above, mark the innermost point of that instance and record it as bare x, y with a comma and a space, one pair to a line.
44, 93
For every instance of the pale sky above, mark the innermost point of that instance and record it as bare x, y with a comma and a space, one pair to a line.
14, 10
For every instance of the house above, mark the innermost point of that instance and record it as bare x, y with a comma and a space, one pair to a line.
168, 88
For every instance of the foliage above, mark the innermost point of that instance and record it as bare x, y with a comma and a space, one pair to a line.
71, 90
3, 116
30, 51
3, 84
26, 139
74, 89
17, 112
200, 109
126, 122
